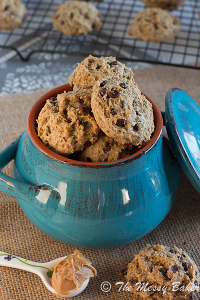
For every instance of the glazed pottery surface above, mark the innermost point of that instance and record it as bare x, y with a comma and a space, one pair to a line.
86, 204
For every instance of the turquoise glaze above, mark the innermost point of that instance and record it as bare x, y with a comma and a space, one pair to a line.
183, 127
92, 205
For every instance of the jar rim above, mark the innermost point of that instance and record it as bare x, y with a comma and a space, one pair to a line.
31, 128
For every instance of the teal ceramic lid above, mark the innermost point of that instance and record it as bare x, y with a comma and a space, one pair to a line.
183, 127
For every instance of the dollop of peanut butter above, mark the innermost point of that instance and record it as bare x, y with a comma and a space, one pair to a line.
71, 273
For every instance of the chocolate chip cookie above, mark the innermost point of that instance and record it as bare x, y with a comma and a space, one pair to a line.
76, 18
166, 272
154, 25
105, 149
121, 112
67, 127
93, 68
12, 14
164, 4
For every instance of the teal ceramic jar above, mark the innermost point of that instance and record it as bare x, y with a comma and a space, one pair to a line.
91, 205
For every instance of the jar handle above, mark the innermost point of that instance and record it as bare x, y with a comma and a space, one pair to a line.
21, 189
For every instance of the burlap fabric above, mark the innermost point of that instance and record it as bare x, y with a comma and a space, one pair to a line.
18, 236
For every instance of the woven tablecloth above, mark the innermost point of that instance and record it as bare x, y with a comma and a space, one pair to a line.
20, 237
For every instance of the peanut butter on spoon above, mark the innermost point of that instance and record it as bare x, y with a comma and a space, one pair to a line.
71, 273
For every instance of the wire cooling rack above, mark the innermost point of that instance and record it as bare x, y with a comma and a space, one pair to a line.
38, 35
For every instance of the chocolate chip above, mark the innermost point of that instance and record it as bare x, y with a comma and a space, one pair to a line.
113, 63
163, 271
137, 113
166, 278
121, 104
107, 148
151, 269
121, 122
102, 92
93, 26
113, 112
71, 15
172, 251
133, 281
87, 144
123, 85
196, 283
185, 266
6, 7
105, 160
53, 99
87, 110
175, 268
98, 67
114, 94
136, 127
68, 120
196, 273
103, 83
62, 22
79, 99
89, 159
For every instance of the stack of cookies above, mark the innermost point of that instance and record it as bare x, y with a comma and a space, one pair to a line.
104, 118
155, 24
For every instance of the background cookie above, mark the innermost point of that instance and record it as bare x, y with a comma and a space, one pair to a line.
66, 132
163, 266
12, 14
154, 25
76, 18
121, 112
93, 68
165, 4
103, 150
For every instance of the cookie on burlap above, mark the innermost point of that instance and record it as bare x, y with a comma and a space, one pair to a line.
121, 112
12, 14
76, 18
104, 149
154, 25
93, 68
164, 4
168, 270
67, 130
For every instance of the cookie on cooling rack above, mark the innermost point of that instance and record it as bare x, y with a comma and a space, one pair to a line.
12, 14
165, 4
154, 25
76, 18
